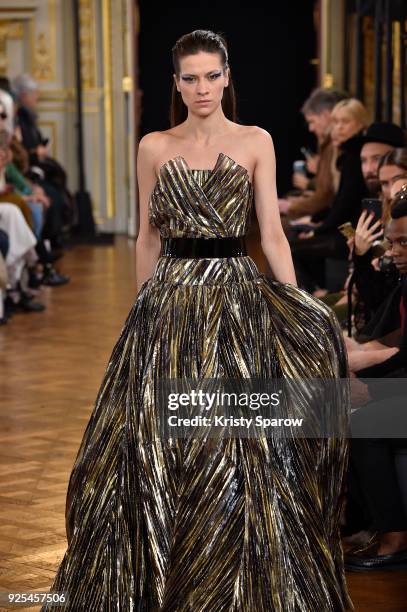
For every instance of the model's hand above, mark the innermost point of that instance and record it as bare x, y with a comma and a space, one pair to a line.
365, 235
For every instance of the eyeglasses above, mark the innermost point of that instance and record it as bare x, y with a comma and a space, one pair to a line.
3, 115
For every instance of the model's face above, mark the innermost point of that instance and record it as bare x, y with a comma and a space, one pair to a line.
386, 176
201, 82
397, 185
344, 126
396, 234
370, 156
319, 124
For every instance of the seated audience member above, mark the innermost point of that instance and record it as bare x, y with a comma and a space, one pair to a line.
7, 193
372, 277
317, 111
50, 174
25, 197
7, 104
373, 484
393, 165
16, 179
20, 252
310, 249
376, 359
380, 139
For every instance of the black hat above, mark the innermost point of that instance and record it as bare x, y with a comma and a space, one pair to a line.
386, 133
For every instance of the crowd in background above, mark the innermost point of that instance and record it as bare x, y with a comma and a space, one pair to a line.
36, 207
347, 214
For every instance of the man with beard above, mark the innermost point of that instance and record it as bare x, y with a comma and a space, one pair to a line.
380, 138
381, 142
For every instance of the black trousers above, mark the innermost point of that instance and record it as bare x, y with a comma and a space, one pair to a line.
374, 497
309, 256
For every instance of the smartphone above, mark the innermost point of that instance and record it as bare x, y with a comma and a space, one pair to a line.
300, 167
373, 205
347, 230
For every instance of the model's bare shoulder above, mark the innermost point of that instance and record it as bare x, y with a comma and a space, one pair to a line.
155, 145
260, 136
257, 142
254, 136
150, 142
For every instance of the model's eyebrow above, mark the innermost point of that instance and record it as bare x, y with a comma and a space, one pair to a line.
210, 71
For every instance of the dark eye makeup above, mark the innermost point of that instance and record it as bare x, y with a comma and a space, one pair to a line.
212, 77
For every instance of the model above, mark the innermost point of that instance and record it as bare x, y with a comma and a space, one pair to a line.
218, 523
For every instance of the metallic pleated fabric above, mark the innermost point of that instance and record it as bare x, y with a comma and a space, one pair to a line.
224, 524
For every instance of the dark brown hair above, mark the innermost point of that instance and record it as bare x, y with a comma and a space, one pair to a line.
395, 157
190, 44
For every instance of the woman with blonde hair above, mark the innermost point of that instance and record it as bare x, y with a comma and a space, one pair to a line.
349, 119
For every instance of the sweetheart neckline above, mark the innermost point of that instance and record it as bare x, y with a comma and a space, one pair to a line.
211, 170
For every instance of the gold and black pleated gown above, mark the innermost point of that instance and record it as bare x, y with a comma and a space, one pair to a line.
236, 524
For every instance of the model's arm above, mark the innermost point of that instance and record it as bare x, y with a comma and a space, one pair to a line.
274, 243
148, 242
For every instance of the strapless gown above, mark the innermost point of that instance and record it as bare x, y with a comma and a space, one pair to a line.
235, 524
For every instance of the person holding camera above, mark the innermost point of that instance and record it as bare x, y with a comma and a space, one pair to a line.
374, 276
374, 498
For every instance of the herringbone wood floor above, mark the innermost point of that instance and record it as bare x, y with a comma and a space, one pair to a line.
51, 366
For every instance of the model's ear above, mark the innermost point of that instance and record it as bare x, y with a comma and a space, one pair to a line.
227, 77
175, 81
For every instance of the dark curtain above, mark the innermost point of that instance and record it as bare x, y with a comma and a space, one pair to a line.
270, 48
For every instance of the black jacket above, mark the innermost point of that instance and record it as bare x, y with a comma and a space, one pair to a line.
397, 365
31, 134
374, 287
352, 189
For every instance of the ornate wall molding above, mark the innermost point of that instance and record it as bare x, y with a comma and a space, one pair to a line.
44, 47
10, 29
88, 43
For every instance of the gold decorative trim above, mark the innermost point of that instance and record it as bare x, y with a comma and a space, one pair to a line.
9, 29
11, 9
42, 60
55, 109
108, 107
44, 48
57, 96
88, 43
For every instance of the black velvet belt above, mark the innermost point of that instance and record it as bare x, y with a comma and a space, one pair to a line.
234, 246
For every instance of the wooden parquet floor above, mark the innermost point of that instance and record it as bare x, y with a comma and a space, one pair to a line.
51, 366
